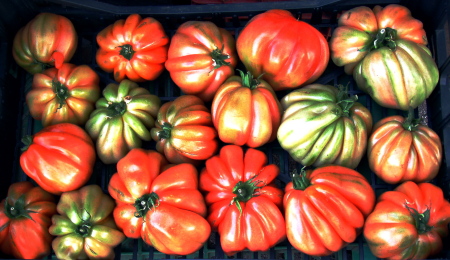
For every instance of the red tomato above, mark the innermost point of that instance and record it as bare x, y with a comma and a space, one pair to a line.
244, 202
59, 158
285, 51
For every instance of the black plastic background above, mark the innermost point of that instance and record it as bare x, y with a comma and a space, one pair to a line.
89, 17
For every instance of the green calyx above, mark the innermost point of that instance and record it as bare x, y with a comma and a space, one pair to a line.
145, 203
345, 101
85, 227
61, 91
18, 210
219, 58
420, 219
248, 80
384, 37
299, 180
126, 51
165, 133
411, 123
27, 141
246, 190
117, 108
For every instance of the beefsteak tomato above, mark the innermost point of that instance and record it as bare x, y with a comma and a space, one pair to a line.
59, 158
84, 226
201, 57
47, 40
287, 52
246, 111
402, 149
64, 95
325, 208
385, 50
184, 131
323, 125
24, 221
408, 222
159, 203
134, 48
122, 119
244, 202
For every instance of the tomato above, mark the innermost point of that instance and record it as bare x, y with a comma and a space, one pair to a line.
246, 111
159, 203
59, 158
325, 209
385, 50
184, 131
122, 119
84, 226
201, 57
24, 221
402, 149
334, 126
47, 40
284, 51
244, 204
408, 222
134, 48
64, 95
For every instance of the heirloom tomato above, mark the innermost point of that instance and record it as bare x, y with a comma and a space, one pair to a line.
287, 52
159, 203
201, 57
244, 202
64, 95
246, 111
385, 50
184, 131
134, 48
47, 40
84, 226
408, 222
402, 149
25, 216
322, 125
59, 158
122, 119
325, 208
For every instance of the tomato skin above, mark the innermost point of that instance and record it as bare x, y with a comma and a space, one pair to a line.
335, 127
173, 219
201, 57
134, 48
246, 111
400, 150
47, 40
244, 202
326, 208
34, 208
64, 95
408, 222
59, 158
122, 118
84, 226
287, 52
184, 131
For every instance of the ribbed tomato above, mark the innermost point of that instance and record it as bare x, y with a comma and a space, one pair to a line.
246, 111
47, 40
326, 208
64, 95
283, 50
184, 131
402, 149
201, 57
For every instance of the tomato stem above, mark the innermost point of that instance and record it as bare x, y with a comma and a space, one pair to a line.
384, 37
145, 203
18, 209
411, 123
126, 51
345, 101
165, 133
420, 219
299, 180
27, 141
248, 80
246, 190
219, 58
117, 108
61, 91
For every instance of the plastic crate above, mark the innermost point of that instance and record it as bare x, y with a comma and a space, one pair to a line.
89, 17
